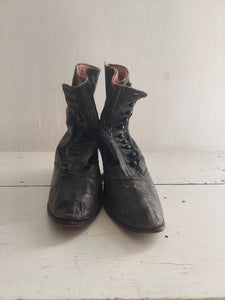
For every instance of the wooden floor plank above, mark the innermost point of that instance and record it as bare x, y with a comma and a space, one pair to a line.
174, 167
40, 260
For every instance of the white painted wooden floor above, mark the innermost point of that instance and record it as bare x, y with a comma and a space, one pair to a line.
40, 260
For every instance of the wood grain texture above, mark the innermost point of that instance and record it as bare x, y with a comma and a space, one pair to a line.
40, 260
173, 49
166, 167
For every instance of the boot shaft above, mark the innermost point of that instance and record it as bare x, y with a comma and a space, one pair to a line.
81, 112
121, 155
77, 150
120, 97
76, 186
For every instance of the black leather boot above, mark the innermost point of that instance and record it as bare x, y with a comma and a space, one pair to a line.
129, 194
75, 192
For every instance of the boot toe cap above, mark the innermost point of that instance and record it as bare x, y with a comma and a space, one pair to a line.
78, 209
134, 204
71, 203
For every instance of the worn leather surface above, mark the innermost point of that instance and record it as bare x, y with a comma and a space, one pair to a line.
75, 191
129, 194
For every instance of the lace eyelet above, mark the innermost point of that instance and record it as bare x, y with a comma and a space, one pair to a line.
124, 141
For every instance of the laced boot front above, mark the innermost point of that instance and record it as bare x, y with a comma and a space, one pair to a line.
75, 191
129, 193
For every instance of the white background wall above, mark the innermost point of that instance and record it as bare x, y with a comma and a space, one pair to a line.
175, 51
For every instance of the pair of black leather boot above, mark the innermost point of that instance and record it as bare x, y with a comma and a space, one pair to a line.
76, 192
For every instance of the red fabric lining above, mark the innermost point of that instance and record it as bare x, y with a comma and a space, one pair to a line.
81, 71
121, 73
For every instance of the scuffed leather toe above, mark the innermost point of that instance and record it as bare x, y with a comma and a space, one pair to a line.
134, 204
74, 200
